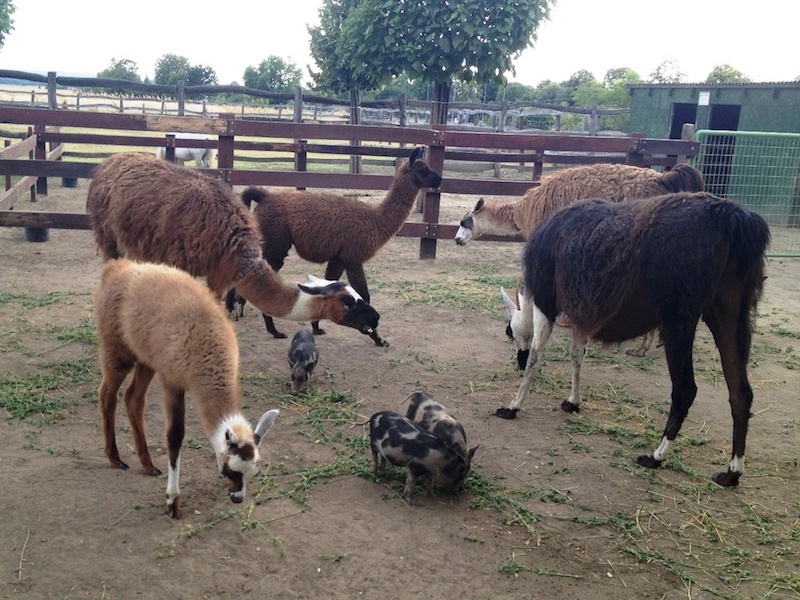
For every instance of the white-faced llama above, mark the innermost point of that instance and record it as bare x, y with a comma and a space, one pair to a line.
618, 271
340, 230
147, 209
158, 319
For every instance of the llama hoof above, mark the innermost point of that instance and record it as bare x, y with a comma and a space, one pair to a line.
648, 461
318, 331
174, 509
506, 413
727, 479
569, 407
152, 472
637, 353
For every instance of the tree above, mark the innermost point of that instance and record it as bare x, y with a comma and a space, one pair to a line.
337, 73
439, 42
611, 93
171, 69
273, 75
200, 75
7, 9
124, 69
667, 72
726, 74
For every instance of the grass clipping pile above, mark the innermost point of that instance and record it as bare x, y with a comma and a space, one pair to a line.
554, 506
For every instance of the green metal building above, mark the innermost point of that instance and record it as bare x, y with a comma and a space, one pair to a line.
660, 110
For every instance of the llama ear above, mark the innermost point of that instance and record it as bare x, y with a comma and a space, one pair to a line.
231, 438
416, 155
479, 205
511, 306
264, 423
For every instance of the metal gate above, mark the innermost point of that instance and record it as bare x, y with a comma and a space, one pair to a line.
761, 171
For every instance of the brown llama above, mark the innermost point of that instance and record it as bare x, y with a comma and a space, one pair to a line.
618, 271
151, 210
612, 182
339, 230
158, 319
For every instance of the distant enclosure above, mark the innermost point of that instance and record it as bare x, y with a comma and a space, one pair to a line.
76, 93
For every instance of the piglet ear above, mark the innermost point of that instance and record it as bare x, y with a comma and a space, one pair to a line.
264, 423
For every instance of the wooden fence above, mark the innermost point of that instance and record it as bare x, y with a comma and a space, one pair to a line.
41, 155
82, 93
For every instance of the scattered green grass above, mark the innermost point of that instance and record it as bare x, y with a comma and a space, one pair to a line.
44, 394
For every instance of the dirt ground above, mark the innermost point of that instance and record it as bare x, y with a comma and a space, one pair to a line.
555, 506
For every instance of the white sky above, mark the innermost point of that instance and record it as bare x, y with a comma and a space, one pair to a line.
81, 37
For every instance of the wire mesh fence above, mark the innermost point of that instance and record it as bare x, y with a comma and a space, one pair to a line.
762, 172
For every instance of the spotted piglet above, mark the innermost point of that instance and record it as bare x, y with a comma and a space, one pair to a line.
402, 442
433, 417
303, 357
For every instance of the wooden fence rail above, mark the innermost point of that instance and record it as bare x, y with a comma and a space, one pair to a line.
298, 139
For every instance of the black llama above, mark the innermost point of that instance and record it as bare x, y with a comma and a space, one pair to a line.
618, 271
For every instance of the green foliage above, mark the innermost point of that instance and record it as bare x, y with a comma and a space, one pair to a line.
472, 40
273, 74
667, 72
7, 9
201, 75
721, 74
124, 69
171, 69
336, 73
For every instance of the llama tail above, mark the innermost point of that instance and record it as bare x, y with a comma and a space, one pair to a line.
682, 178
253, 194
747, 230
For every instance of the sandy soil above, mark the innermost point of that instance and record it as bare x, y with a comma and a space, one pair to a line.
555, 506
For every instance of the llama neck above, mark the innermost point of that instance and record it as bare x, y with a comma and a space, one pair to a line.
260, 285
497, 218
397, 205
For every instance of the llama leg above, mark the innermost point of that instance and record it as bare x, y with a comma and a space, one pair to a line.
542, 328
274, 260
732, 334
647, 342
578, 353
135, 402
271, 327
176, 412
678, 342
113, 376
333, 272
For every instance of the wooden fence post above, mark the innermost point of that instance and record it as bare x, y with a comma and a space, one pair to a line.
298, 105
301, 158
52, 99
181, 98
430, 208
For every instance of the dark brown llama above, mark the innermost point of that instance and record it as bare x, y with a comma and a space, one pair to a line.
339, 230
151, 210
618, 271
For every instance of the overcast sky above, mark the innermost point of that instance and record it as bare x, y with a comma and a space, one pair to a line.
81, 37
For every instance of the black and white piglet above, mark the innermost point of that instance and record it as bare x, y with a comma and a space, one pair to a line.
433, 417
303, 357
404, 443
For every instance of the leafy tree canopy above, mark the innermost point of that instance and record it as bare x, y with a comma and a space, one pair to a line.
171, 69
201, 75
726, 74
273, 74
7, 9
469, 40
336, 72
124, 69
667, 72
